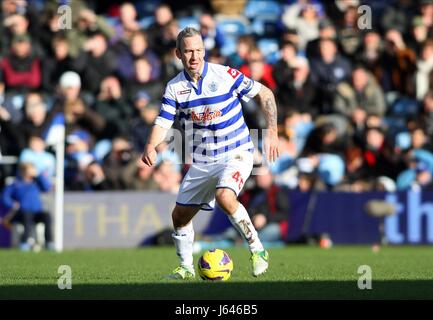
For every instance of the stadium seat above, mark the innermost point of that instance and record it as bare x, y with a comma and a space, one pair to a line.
112, 21
232, 27
270, 49
188, 22
146, 7
229, 46
146, 21
260, 8
265, 26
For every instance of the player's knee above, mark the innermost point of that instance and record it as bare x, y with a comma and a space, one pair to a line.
226, 198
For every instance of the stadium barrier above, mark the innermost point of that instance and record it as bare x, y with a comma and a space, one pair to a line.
129, 219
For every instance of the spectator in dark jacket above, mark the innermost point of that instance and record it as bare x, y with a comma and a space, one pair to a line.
327, 72
100, 62
60, 62
112, 105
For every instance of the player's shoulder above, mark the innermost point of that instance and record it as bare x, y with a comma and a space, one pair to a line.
226, 72
176, 79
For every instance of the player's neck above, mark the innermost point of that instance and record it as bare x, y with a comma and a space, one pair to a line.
195, 77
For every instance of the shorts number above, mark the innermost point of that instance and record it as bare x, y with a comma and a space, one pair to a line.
237, 177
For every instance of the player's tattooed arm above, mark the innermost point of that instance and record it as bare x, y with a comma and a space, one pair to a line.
269, 107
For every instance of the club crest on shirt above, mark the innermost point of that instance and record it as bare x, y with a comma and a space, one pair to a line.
213, 86
207, 115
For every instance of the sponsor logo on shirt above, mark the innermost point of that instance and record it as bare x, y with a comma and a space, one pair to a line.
183, 92
207, 115
233, 72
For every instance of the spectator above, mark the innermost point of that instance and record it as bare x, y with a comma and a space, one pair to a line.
371, 54
143, 80
304, 17
424, 70
327, 30
140, 126
127, 25
362, 98
77, 159
35, 118
297, 92
258, 70
400, 64
87, 23
244, 45
167, 176
20, 70
43, 161
23, 196
349, 34
419, 34
112, 105
212, 36
60, 62
268, 206
377, 155
76, 113
137, 49
426, 114
120, 156
327, 72
398, 16
163, 16
100, 62
136, 177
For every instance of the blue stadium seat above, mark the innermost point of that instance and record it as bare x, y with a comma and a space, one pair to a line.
146, 7
270, 49
229, 46
265, 27
146, 21
112, 21
260, 7
188, 22
232, 27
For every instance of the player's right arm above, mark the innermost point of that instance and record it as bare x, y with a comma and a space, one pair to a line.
160, 129
157, 135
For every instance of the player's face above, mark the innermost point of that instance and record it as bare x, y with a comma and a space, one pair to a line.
192, 54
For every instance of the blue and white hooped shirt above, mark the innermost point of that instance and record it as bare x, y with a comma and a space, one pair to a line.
210, 111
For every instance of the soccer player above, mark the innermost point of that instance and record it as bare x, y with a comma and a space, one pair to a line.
206, 97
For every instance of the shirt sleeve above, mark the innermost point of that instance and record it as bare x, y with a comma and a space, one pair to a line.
168, 110
245, 87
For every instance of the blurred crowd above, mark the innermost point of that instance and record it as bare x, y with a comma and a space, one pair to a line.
355, 100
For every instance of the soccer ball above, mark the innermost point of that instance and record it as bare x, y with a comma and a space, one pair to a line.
216, 265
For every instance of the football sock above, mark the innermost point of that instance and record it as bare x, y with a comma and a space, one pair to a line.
183, 240
242, 222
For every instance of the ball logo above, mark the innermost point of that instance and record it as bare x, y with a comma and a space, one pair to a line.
207, 115
233, 72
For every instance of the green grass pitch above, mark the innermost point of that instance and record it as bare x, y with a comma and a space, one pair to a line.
297, 272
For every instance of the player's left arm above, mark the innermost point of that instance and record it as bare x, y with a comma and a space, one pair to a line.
267, 102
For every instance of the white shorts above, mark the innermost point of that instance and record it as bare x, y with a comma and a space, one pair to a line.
201, 181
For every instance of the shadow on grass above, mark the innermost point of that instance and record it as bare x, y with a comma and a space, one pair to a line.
390, 289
